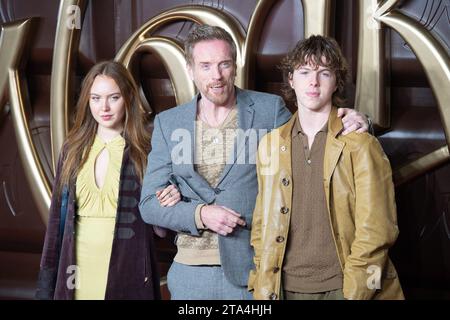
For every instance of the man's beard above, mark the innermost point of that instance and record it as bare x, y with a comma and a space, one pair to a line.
220, 99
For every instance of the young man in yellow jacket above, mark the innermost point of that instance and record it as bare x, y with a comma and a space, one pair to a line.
325, 214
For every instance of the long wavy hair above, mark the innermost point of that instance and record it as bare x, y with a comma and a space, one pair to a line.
81, 136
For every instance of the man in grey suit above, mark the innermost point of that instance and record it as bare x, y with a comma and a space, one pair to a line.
206, 148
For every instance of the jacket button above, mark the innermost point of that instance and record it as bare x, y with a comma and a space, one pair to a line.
146, 279
280, 239
217, 191
285, 182
284, 210
276, 269
273, 296
283, 148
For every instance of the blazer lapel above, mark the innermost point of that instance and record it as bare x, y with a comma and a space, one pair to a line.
245, 122
333, 151
187, 122
334, 147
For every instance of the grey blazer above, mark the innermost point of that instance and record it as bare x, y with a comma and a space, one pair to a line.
171, 159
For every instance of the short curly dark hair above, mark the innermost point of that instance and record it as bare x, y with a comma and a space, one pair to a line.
313, 50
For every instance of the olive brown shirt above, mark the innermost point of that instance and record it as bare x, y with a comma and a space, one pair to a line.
311, 264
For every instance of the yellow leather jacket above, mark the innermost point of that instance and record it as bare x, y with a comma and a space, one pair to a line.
361, 205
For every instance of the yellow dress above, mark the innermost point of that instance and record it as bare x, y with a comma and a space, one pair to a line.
95, 221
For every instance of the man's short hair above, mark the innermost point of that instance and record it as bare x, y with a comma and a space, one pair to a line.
204, 33
312, 50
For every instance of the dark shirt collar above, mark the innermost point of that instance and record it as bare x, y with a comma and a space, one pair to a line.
297, 128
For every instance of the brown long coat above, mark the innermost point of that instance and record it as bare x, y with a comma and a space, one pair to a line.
133, 272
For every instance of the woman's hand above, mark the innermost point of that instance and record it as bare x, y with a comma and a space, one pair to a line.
160, 231
168, 196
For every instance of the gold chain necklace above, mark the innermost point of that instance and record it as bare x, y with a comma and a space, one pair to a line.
204, 117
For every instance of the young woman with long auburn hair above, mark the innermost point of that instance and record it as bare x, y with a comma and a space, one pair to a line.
97, 246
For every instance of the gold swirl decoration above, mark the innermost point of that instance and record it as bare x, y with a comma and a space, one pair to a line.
61, 95
14, 49
317, 17
371, 91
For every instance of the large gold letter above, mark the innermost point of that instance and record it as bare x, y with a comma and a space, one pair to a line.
66, 44
317, 17
13, 46
183, 87
430, 52
370, 93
